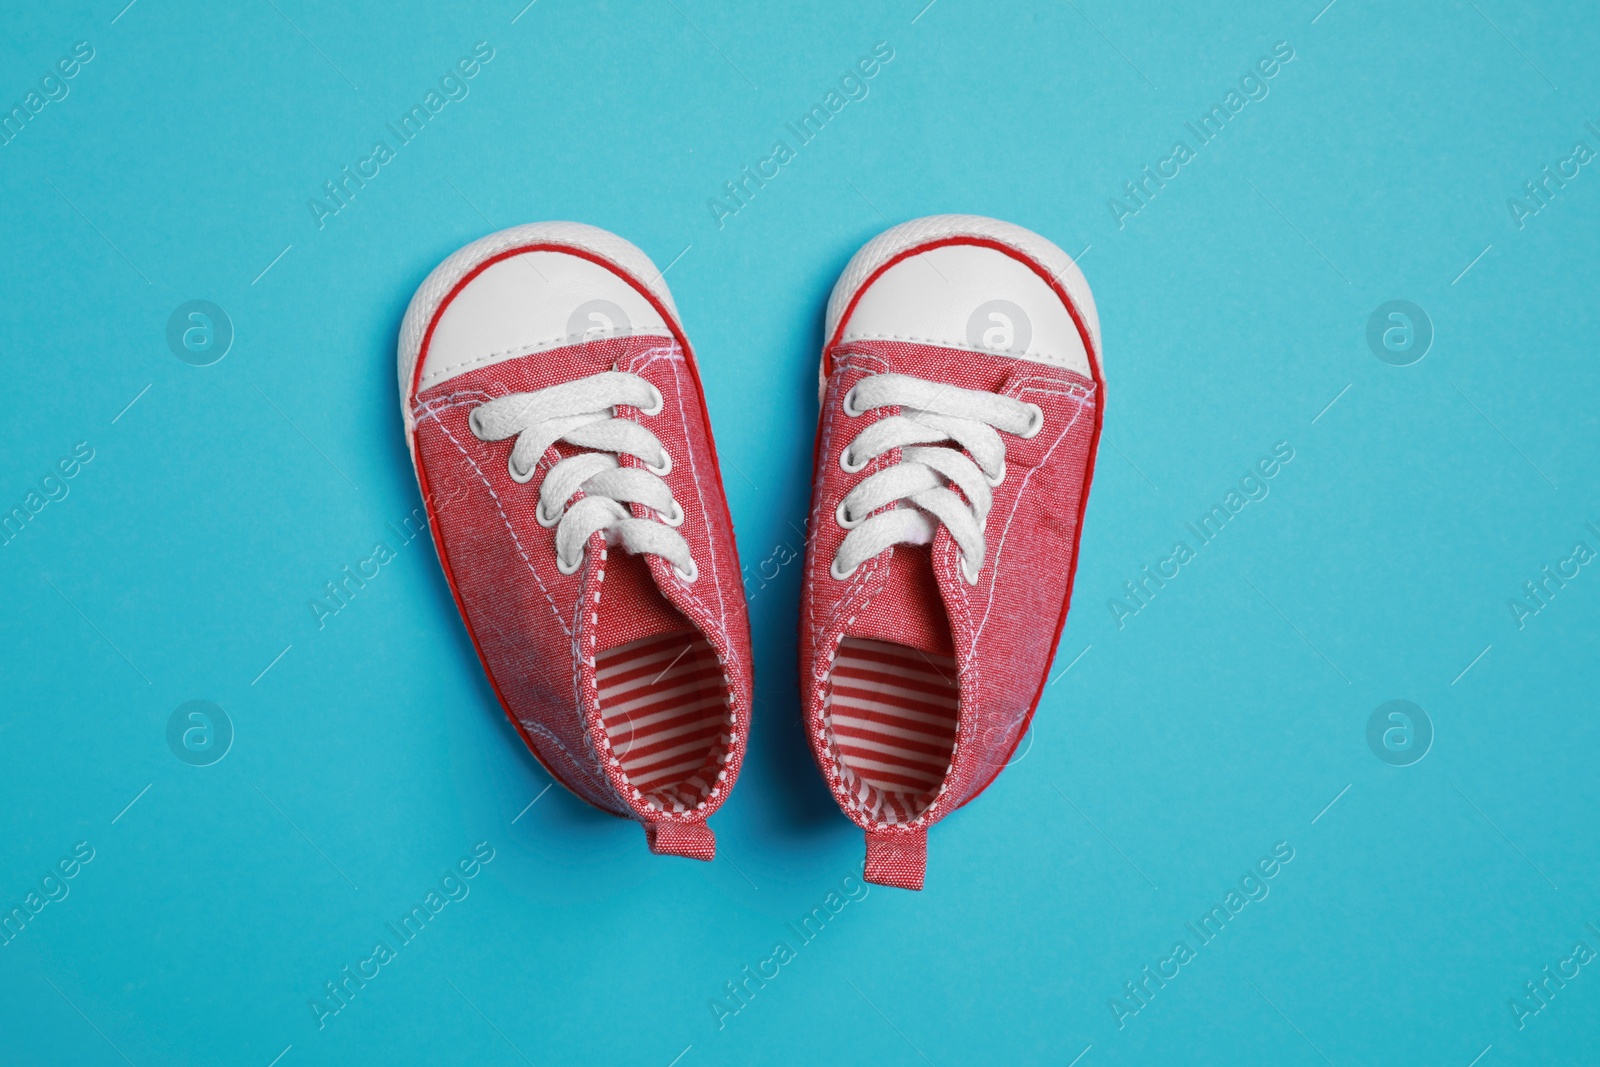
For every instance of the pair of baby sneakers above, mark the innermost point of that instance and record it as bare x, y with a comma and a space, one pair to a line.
555, 416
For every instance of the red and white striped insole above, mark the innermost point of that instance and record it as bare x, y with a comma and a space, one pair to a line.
892, 711
664, 705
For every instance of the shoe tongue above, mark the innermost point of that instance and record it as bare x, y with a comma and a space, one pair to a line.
908, 609
631, 607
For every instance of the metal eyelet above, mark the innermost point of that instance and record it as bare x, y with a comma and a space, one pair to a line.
474, 426
845, 464
691, 575
655, 408
516, 476
841, 515
1035, 421
836, 574
997, 479
547, 523
849, 407
664, 468
564, 568
674, 517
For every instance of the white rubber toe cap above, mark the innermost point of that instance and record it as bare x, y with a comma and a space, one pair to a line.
529, 301
958, 294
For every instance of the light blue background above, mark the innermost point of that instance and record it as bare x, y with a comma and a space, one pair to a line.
1222, 719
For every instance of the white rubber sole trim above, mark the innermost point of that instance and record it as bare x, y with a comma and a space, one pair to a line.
622, 254
934, 228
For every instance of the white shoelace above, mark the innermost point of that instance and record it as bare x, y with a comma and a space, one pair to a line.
582, 413
930, 413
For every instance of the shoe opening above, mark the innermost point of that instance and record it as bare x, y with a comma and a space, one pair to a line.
892, 714
664, 706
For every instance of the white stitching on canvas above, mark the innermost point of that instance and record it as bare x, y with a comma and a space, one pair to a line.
963, 346
855, 599
430, 411
1025, 385
720, 621
727, 657
596, 796
439, 374
856, 595
838, 773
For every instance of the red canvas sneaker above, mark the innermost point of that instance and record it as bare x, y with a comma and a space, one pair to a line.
560, 437
961, 405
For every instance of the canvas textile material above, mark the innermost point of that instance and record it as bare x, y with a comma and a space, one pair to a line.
897, 859
691, 839
1001, 632
538, 631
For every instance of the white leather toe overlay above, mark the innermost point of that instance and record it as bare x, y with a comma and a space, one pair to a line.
531, 302
971, 297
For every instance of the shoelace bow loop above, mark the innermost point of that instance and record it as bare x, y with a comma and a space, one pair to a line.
581, 413
931, 414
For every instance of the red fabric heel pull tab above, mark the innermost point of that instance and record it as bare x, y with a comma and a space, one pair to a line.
692, 839
897, 858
